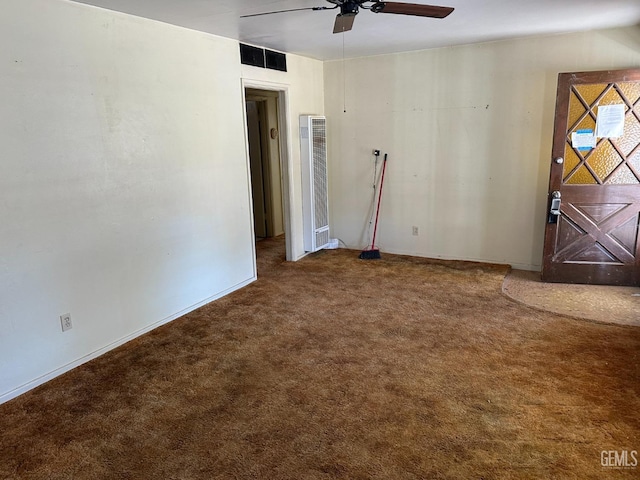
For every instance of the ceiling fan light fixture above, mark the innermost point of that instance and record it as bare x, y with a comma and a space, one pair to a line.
344, 22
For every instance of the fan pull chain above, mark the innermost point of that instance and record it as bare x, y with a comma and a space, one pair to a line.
344, 79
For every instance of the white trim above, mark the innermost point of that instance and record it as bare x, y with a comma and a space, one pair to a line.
5, 397
249, 182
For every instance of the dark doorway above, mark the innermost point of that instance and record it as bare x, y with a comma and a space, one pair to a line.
265, 165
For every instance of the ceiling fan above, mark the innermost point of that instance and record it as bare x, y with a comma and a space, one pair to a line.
350, 8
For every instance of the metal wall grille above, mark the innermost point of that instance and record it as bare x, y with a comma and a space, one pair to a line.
321, 210
322, 238
315, 195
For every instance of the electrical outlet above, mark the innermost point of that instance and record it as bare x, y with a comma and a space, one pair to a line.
415, 231
65, 321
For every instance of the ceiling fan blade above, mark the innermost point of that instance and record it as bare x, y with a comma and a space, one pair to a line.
344, 22
289, 10
411, 9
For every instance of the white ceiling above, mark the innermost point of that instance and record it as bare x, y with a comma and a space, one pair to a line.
308, 33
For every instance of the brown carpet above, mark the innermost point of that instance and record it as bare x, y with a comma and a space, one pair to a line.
335, 367
599, 303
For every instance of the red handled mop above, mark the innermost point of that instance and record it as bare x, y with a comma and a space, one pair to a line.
372, 252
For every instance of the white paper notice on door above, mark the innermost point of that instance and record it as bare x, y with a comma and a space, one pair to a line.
583, 140
610, 121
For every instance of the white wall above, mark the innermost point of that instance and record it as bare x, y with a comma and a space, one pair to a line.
124, 195
468, 131
303, 87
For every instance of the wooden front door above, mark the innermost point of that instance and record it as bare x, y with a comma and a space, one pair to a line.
594, 193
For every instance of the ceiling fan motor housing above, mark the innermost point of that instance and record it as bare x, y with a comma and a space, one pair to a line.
349, 8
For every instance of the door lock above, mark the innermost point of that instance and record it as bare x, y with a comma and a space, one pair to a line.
554, 210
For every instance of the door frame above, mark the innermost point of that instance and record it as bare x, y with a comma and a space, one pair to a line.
267, 104
286, 162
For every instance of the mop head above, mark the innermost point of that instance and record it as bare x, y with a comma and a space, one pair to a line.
369, 254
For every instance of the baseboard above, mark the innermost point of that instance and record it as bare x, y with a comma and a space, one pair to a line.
5, 397
517, 266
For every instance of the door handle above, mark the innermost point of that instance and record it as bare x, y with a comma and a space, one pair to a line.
555, 203
554, 210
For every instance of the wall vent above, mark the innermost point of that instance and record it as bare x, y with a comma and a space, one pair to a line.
259, 57
253, 56
276, 60
315, 198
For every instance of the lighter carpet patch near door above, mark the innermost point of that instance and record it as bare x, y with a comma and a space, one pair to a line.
600, 303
